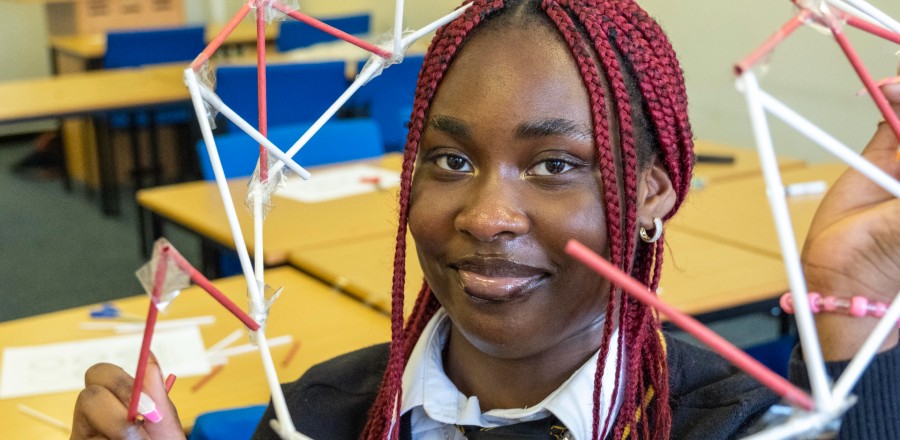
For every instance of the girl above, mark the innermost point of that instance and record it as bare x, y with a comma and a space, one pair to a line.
536, 122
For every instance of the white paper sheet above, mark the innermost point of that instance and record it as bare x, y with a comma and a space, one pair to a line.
54, 368
333, 184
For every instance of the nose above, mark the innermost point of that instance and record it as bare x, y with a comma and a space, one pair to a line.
493, 210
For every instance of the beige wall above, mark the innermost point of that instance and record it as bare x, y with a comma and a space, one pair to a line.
808, 72
23, 50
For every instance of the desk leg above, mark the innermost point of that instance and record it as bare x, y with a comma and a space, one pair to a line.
155, 163
148, 234
106, 163
54, 61
211, 258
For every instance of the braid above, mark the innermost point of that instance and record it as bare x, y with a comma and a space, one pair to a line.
645, 88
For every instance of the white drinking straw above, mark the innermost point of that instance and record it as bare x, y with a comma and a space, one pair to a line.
226, 111
830, 144
863, 357
367, 73
812, 352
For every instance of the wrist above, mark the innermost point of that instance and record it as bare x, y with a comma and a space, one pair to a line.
843, 323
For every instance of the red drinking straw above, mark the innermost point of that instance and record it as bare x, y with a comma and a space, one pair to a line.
220, 38
148, 334
299, 16
880, 100
737, 357
767, 46
206, 285
261, 90
170, 382
872, 29
166, 252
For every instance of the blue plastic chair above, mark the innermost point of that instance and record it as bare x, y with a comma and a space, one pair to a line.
228, 424
775, 354
138, 47
339, 140
297, 92
388, 99
296, 34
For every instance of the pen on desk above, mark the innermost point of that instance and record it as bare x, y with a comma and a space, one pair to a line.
723, 159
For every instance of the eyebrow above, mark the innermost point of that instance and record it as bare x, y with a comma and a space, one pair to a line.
526, 130
450, 125
553, 127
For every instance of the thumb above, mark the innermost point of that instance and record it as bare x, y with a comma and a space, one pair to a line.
155, 388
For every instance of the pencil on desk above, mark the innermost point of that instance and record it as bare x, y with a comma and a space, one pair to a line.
205, 379
290, 354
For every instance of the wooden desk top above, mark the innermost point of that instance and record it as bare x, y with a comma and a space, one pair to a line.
699, 275
737, 212
746, 163
93, 46
290, 225
91, 92
325, 322
363, 268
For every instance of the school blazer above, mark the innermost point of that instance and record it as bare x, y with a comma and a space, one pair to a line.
710, 399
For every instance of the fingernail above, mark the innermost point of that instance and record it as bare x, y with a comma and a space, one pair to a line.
147, 408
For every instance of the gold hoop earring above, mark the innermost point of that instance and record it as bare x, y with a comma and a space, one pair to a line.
657, 231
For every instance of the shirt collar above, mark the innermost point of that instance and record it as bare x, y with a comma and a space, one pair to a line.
435, 401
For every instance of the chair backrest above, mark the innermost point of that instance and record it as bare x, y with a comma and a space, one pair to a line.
227, 423
296, 92
339, 140
295, 34
389, 98
137, 47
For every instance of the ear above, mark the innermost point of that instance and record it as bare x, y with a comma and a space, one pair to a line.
656, 196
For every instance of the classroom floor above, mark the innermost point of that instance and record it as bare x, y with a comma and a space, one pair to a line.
59, 251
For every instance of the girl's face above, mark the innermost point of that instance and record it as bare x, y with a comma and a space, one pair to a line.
506, 173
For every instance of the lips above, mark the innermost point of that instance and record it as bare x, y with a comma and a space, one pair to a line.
497, 279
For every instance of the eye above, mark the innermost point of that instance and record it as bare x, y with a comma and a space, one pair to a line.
550, 167
453, 162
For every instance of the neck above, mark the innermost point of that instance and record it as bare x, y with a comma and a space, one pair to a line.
517, 382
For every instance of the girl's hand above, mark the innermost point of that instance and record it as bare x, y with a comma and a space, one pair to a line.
853, 246
102, 407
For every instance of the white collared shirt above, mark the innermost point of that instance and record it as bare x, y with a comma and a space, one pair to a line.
437, 405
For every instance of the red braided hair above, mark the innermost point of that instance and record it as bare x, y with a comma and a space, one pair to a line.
613, 41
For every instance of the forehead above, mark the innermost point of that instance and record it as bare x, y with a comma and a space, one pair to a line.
513, 74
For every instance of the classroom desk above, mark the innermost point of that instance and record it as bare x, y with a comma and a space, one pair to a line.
700, 276
93, 94
746, 163
290, 225
737, 212
325, 322
89, 49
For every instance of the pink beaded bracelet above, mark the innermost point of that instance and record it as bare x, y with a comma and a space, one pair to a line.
855, 306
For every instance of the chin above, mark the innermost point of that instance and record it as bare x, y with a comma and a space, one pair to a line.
496, 336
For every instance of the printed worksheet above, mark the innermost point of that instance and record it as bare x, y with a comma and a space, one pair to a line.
333, 184
54, 368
